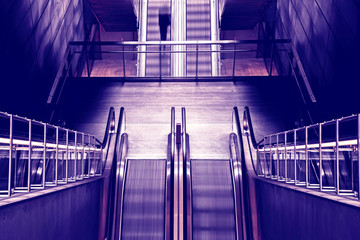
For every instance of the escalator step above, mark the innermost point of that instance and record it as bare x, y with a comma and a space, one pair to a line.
144, 200
212, 200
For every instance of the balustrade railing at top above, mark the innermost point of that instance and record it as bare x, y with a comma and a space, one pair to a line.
34, 155
126, 60
121, 58
322, 156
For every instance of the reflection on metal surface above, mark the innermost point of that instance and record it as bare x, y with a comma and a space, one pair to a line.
187, 179
39, 154
238, 185
169, 179
120, 164
142, 37
323, 156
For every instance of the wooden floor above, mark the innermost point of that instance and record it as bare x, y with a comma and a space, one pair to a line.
208, 106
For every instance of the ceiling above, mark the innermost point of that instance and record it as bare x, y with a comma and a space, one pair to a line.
114, 15
242, 14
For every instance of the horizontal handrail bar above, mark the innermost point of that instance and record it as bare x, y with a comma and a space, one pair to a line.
41, 144
303, 159
201, 42
313, 145
62, 155
48, 125
325, 123
185, 51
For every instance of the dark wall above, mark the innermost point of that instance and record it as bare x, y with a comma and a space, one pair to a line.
33, 42
326, 35
68, 214
287, 214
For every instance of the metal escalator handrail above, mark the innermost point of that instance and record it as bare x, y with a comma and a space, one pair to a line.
183, 121
120, 165
244, 174
169, 179
187, 179
172, 132
109, 173
110, 127
248, 127
236, 173
249, 132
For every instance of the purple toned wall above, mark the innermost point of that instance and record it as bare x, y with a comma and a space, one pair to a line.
33, 41
285, 214
72, 213
326, 35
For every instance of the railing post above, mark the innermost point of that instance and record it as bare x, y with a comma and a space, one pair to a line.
44, 157
306, 158
295, 175
75, 157
94, 157
268, 165
56, 155
271, 157
87, 59
100, 162
285, 158
29, 159
234, 57
320, 157
277, 158
67, 157
197, 53
160, 59
10, 155
358, 153
82, 157
337, 158
259, 162
271, 57
123, 50
89, 155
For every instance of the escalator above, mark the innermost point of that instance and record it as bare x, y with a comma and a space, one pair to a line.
213, 204
140, 199
198, 28
153, 199
154, 58
216, 200
309, 172
144, 200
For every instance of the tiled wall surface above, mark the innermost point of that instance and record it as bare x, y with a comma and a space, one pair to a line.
326, 34
34, 37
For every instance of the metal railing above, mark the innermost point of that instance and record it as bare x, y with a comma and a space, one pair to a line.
119, 171
126, 50
121, 61
323, 156
169, 184
187, 178
34, 155
241, 179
